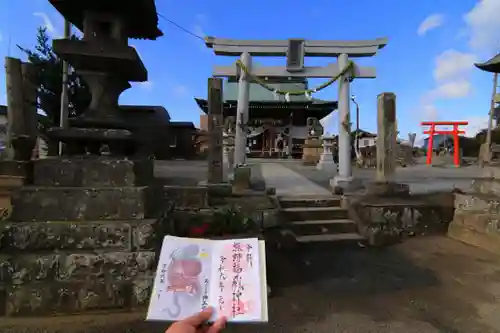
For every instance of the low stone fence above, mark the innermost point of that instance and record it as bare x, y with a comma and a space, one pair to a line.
384, 221
69, 267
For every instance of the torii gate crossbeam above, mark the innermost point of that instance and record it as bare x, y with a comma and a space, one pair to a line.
295, 50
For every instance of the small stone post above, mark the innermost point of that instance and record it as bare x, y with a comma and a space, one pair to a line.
15, 119
386, 140
29, 73
215, 114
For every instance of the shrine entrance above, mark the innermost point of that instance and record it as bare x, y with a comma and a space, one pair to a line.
295, 51
455, 133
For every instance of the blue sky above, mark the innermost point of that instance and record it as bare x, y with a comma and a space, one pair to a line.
427, 62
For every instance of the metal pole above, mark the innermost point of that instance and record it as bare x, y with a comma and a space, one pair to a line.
490, 118
63, 118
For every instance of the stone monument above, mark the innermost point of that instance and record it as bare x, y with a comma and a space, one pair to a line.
215, 118
384, 184
326, 162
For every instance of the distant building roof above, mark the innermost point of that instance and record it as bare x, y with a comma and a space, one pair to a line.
492, 65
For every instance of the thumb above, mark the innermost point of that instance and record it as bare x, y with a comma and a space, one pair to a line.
199, 318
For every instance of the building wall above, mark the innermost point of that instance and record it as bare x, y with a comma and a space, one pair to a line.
367, 142
204, 122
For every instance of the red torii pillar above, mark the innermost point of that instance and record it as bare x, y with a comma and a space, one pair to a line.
455, 132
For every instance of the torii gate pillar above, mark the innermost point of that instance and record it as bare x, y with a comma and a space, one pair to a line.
344, 143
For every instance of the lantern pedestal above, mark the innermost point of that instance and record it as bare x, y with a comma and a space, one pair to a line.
326, 162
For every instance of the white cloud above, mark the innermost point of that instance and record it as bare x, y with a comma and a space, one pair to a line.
484, 26
452, 64
429, 112
476, 124
451, 90
47, 23
429, 23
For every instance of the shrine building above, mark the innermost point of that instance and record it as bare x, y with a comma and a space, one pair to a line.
272, 118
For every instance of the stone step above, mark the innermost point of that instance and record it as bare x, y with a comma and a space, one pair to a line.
85, 171
127, 235
346, 237
291, 202
321, 227
314, 213
468, 236
35, 203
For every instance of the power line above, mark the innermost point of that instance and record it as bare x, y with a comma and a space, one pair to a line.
178, 26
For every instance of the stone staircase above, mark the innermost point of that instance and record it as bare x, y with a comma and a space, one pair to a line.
318, 219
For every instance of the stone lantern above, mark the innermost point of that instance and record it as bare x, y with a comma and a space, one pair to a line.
326, 162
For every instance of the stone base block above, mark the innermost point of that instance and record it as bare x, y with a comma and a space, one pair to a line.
242, 177
341, 185
66, 298
328, 166
65, 283
33, 203
468, 236
484, 223
491, 172
186, 196
18, 168
130, 235
477, 203
487, 186
387, 189
93, 171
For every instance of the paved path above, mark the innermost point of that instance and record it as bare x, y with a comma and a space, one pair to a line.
288, 182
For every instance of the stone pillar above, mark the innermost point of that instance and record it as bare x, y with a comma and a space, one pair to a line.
242, 111
326, 162
386, 140
344, 176
215, 105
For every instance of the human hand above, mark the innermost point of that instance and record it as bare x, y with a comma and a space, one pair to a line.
197, 324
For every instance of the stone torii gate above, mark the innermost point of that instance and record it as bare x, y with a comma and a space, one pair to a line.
295, 50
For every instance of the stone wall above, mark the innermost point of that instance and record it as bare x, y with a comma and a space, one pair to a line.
65, 266
477, 220
80, 238
385, 221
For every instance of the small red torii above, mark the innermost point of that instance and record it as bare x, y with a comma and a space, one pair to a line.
455, 132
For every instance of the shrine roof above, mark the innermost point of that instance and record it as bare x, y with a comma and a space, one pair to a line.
492, 65
276, 109
141, 15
